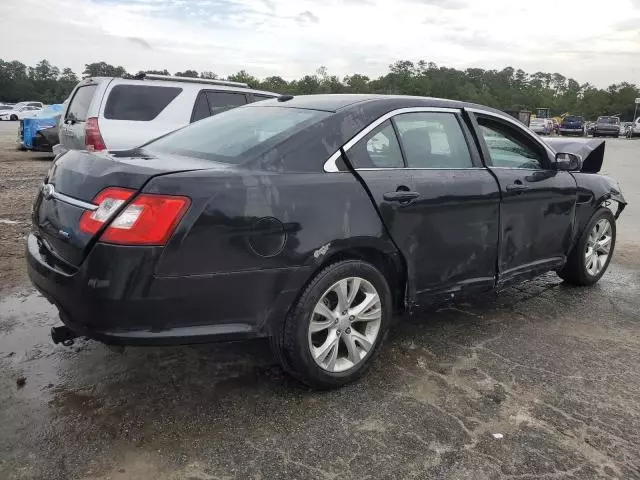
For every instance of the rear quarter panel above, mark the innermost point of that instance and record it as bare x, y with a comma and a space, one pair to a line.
251, 241
229, 228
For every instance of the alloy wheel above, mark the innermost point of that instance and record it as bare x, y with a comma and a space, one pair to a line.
598, 247
345, 324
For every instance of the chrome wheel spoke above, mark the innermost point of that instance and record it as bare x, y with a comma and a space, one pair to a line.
604, 244
361, 340
341, 291
369, 301
353, 290
328, 351
318, 326
324, 311
352, 349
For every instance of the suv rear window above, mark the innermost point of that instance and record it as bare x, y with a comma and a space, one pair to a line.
609, 120
572, 119
80, 102
230, 136
141, 103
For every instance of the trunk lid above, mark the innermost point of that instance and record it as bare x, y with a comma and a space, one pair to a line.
74, 181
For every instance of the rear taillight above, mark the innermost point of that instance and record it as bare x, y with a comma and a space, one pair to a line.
92, 137
148, 220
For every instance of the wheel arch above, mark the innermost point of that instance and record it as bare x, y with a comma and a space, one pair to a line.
391, 265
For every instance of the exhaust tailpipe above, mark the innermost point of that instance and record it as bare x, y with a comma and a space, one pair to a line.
63, 335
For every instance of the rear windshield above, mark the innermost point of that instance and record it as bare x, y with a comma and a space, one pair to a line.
141, 103
572, 119
80, 102
611, 120
233, 136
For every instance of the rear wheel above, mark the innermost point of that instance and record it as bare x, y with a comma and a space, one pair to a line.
336, 328
591, 256
14, 117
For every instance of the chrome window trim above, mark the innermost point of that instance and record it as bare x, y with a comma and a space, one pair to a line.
330, 165
70, 200
386, 169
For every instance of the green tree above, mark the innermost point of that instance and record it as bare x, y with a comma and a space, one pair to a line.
103, 69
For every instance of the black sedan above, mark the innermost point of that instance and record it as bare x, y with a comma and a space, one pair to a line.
314, 221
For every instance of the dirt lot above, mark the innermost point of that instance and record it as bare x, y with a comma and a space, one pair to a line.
555, 370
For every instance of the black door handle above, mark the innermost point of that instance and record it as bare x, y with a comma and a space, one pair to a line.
516, 187
400, 196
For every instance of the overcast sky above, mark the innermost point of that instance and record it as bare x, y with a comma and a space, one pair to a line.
591, 40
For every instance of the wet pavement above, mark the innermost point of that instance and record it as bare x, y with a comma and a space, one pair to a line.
555, 370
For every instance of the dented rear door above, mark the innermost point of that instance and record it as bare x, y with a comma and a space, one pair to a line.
437, 201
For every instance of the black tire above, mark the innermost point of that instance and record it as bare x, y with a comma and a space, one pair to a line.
575, 271
13, 118
292, 346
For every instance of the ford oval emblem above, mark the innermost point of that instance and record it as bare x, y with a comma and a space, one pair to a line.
47, 191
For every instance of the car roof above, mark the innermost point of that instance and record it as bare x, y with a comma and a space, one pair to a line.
344, 102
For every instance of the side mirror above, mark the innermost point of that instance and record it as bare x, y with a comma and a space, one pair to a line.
568, 162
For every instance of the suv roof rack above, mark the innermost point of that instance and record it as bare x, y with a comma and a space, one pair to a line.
171, 78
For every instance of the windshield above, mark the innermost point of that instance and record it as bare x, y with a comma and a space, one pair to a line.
609, 120
233, 136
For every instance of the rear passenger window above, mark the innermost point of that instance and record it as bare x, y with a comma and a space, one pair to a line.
201, 108
221, 101
433, 140
378, 149
140, 103
80, 102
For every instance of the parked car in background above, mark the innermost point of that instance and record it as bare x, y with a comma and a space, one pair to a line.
19, 113
117, 113
541, 126
313, 221
572, 125
45, 139
607, 127
633, 130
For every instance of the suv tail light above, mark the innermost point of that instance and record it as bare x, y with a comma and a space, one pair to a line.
92, 136
148, 220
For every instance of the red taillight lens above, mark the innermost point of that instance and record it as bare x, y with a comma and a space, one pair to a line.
92, 137
148, 220
108, 201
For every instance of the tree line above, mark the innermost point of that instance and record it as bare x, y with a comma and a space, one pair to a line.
505, 89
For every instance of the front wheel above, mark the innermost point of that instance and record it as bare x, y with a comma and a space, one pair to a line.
592, 254
336, 328
14, 117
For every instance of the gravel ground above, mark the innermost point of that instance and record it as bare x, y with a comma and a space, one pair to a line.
20, 175
542, 381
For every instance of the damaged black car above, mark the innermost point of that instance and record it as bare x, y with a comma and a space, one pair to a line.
314, 221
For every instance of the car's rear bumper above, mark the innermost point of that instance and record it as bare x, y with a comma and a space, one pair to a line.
573, 131
114, 297
611, 133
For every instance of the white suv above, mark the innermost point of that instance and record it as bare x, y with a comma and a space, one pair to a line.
119, 114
